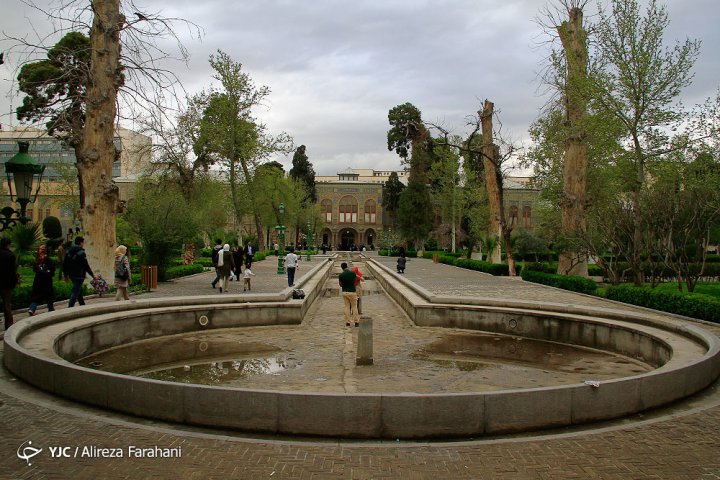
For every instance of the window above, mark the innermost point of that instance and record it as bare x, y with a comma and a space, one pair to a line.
370, 211
348, 210
513, 216
326, 209
526, 217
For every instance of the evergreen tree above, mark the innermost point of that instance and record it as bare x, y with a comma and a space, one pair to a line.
391, 196
302, 171
415, 212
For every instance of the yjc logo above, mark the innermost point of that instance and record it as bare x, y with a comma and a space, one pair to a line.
26, 451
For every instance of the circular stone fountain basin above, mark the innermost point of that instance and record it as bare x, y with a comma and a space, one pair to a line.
42, 351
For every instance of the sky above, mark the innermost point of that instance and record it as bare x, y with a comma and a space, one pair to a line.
335, 68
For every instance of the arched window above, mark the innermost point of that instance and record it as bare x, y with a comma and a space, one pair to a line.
370, 211
326, 209
527, 223
348, 210
513, 216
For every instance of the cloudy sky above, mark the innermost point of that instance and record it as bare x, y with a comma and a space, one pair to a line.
336, 67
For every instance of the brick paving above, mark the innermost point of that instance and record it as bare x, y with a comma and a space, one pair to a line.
679, 442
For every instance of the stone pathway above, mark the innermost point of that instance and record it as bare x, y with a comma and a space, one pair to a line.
679, 442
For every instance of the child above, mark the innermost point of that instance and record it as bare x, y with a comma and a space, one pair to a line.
246, 278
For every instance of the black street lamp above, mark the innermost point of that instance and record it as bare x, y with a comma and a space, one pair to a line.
281, 233
23, 170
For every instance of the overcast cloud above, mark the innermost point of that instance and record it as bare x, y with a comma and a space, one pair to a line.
335, 67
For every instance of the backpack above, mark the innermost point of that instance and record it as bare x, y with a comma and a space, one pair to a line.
298, 294
121, 270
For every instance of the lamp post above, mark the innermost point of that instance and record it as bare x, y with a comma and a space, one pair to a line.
23, 169
309, 241
281, 233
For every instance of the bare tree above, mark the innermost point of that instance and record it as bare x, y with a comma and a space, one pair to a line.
125, 56
488, 144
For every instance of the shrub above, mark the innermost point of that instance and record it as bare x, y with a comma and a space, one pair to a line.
21, 294
693, 305
183, 270
497, 269
566, 282
429, 254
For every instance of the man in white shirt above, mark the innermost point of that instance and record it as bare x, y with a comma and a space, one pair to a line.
291, 263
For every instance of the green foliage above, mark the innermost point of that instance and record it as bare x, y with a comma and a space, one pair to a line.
415, 213
566, 282
429, 254
25, 238
183, 270
21, 294
55, 88
391, 191
52, 230
303, 171
405, 126
163, 219
694, 305
497, 269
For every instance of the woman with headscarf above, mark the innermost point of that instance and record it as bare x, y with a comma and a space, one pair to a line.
122, 273
42, 287
225, 265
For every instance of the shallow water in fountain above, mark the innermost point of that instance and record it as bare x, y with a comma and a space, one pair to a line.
271, 358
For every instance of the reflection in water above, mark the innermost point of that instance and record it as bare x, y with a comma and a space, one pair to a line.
477, 351
218, 372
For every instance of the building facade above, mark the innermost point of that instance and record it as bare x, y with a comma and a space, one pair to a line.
351, 206
59, 194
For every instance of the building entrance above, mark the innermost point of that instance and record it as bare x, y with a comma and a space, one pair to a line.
347, 240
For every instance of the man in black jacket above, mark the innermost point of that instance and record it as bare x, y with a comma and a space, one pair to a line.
8, 279
75, 266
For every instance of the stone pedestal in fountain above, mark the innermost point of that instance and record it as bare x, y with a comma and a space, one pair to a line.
365, 343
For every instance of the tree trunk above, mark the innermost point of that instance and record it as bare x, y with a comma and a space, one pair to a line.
573, 37
98, 150
491, 182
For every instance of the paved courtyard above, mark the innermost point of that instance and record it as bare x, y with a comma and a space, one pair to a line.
677, 442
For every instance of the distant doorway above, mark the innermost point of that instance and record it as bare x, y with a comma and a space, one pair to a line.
347, 240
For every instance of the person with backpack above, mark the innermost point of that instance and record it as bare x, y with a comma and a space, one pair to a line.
122, 273
75, 266
215, 253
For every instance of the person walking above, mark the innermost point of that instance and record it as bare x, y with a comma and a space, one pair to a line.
249, 252
401, 264
9, 279
238, 260
347, 285
225, 266
75, 267
215, 254
246, 279
291, 264
42, 287
122, 273
359, 280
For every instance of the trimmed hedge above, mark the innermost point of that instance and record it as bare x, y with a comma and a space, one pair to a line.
566, 282
429, 254
693, 305
497, 269
183, 270
21, 294
384, 252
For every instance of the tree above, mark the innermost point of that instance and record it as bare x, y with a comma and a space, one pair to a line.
574, 42
638, 83
67, 102
163, 220
230, 132
55, 88
391, 191
446, 179
303, 171
414, 213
